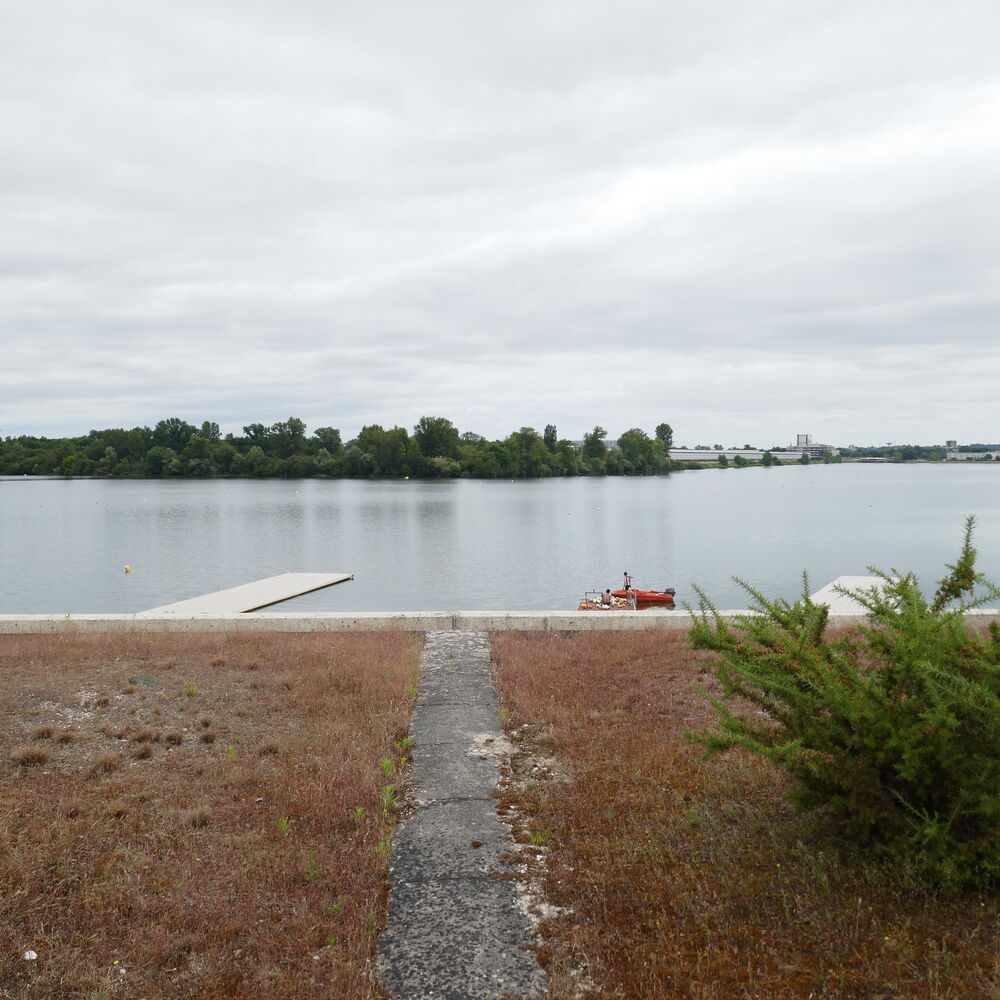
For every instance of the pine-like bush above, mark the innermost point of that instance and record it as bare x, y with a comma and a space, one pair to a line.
892, 729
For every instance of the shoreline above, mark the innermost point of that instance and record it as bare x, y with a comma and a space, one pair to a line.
412, 621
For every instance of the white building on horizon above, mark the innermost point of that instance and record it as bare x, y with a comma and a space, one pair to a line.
804, 446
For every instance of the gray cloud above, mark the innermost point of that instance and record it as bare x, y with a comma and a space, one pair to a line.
747, 220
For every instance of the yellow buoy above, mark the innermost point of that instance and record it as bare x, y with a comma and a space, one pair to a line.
128, 569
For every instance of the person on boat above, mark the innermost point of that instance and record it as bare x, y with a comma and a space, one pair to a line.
606, 598
628, 582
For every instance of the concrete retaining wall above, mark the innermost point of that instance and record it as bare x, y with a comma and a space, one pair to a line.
411, 621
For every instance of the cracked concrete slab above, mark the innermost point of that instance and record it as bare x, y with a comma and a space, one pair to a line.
455, 930
475, 776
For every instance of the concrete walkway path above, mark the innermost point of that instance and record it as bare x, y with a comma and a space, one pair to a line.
455, 931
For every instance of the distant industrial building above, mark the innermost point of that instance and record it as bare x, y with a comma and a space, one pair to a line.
952, 454
804, 446
707, 456
609, 443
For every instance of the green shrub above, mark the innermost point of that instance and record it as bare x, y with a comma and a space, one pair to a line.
892, 729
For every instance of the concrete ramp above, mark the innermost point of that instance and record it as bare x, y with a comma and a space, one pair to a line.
251, 596
841, 604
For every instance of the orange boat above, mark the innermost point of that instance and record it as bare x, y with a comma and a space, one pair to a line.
629, 598
647, 598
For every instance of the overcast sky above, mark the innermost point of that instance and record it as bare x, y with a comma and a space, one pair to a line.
749, 220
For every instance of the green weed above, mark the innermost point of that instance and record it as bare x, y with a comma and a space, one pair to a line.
312, 872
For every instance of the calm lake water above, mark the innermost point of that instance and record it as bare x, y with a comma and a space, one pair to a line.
472, 545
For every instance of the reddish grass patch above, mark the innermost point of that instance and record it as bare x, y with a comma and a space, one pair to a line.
693, 879
156, 867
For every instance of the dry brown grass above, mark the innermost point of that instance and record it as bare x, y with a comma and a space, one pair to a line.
136, 864
29, 756
683, 878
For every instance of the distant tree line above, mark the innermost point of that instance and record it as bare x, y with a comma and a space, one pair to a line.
899, 453
435, 448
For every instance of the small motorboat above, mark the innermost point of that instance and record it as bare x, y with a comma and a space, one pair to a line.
647, 598
628, 598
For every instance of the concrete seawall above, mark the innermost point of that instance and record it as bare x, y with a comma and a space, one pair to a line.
411, 621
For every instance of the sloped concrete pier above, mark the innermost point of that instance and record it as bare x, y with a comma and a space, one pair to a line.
843, 604
251, 596
455, 931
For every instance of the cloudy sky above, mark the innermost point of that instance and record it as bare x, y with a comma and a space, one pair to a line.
748, 220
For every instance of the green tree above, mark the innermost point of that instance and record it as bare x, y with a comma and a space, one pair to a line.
258, 463
326, 464
224, 453
593, 444
538, 459
107, 463
443, 467
470, 446
173, 433
328, 438
159, 460
389, 450
529, 454
133, 448
549, 437
258, 434
661, 459
507, 459
436, 436
369, 440
768, 460
355, 462
487, 461
615, 464
637, 449
288, 437
569, 461
297, 466
666, 434
196, 458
